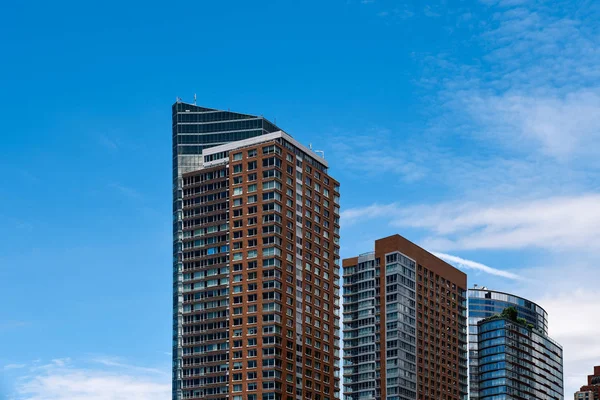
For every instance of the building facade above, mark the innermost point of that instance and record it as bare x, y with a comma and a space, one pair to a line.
584, 395
484, 303
405, 333
517, 361
195, 129
258, 280
591, 391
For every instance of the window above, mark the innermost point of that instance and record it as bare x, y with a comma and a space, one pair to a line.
237, 191
252, 153
271, 149
237, 156
271, 161
271, 173
271, 185
237, 168
251, 165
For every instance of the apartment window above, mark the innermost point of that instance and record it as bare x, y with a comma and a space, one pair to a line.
237, 168
271, 173
271, 149
271, 161
237, 156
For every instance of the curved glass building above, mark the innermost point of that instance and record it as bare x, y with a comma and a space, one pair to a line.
484, 303
518, 362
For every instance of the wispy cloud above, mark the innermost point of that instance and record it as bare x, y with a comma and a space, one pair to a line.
117, 362
6, 325
63, 379
107, 142
125, 190
560, 223
469, 264
370, 155
398, 13
13, 366
431, 11
535, 85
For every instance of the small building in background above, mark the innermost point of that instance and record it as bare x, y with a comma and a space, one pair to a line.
591, 391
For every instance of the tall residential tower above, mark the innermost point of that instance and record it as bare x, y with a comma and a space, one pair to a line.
405, 325
194, 129
257, 275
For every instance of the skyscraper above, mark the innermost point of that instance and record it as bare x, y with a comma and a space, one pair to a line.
195, 129
517, 361
257, 281
484, 303
590, 391
405, 333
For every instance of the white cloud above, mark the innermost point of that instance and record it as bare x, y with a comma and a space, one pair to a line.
536, 84
63, 380
116, 362
563, 126
560, 223
469, 264
570, 323
370, 155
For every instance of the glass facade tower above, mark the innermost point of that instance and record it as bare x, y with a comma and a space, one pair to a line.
484, 303
517, 362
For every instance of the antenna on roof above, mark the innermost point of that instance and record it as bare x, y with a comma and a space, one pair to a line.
310, 146
194, 98
178, 99
320, 152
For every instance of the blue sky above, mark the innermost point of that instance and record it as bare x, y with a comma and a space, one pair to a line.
470, 127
